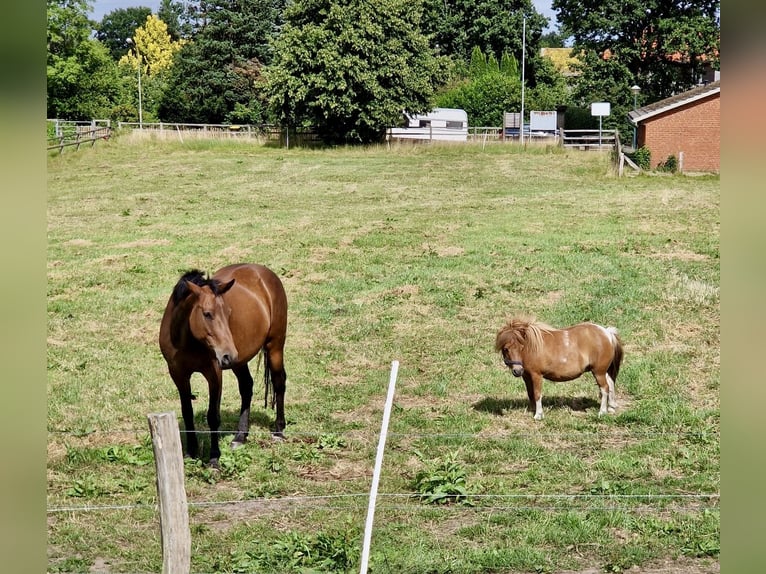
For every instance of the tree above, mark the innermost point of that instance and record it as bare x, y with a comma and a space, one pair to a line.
350, 69
117, 26
172, 13
82, 79
216, 72
661, 45
494, 26
154, 51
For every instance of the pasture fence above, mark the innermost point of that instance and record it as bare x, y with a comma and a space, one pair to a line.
173, 506
63, 133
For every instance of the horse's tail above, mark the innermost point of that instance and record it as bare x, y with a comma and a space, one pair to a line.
614, 368
268, 386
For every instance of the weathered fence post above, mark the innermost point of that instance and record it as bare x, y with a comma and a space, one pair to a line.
174, 517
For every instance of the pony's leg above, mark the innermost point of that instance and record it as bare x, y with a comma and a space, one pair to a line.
534, 386
245, 380
214, 378
183, 384
604, 388
611, 401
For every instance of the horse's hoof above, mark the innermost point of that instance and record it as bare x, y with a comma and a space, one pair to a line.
277, 436
538, 417
237, 443
611, 410
214, 464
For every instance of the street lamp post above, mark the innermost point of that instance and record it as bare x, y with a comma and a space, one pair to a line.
523, 57
635, 89
140, 103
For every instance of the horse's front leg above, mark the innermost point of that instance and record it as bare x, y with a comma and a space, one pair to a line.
534, 384
183, 384
214, 378
245, 380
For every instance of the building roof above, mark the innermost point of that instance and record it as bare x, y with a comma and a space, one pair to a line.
678, 100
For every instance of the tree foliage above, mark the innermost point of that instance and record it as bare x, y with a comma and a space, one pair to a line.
82, 79
350, 69
153, 48
662, 45
117, 26
216, 72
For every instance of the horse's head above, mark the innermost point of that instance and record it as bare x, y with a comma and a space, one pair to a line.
510, 343
209, 320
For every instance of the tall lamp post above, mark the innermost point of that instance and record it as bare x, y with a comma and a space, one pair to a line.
523, 57
635, 89
140, 103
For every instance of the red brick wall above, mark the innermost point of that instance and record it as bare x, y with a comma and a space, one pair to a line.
694, 129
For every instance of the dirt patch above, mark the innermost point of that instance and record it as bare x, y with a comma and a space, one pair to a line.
680, 566
143, 243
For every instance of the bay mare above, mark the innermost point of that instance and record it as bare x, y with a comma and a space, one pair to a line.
222, 322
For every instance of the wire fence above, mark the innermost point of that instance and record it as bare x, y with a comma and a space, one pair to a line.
477, 502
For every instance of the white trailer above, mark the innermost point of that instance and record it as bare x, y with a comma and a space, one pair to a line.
445, 124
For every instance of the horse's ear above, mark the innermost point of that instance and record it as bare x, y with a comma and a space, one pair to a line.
194, 288
225, 287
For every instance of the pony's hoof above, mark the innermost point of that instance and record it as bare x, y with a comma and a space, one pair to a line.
277, 436
538, 417
214, 464
236, 444
611, 410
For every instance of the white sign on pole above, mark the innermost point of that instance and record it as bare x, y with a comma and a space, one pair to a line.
599, 109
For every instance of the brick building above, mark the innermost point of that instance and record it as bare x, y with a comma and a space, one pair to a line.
686, 126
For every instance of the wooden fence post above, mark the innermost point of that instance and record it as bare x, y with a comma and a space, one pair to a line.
174, 517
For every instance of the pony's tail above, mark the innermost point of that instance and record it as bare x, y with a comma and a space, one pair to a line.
614, 368
268, 386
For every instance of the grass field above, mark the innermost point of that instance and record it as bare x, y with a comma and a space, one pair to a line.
415, 254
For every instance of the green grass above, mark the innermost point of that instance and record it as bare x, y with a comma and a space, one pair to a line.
416, 254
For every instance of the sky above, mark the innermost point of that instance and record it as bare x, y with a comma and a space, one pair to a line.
103, 7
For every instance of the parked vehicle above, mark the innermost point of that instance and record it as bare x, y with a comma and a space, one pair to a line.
447, 124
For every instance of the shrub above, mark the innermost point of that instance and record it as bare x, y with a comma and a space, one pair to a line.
670, 165
642, 157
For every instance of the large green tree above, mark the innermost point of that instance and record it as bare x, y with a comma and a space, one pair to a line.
118, 26
494, 26
350, 69
83, 81
661, 45
215, 73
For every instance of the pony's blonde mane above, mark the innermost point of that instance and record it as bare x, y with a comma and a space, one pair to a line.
526, 330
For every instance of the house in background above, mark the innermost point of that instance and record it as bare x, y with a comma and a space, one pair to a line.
686, 126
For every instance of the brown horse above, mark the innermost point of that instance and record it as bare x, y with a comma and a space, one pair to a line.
221, 322
536, 351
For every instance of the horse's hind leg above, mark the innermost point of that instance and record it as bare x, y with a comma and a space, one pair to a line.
606, 387
245, 380
275, 364
612, 400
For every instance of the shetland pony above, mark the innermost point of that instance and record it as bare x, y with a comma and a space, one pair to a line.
536, 351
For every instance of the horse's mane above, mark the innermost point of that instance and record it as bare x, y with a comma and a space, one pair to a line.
524, 330
181, 290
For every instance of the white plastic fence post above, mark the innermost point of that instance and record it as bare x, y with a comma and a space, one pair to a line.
376, 471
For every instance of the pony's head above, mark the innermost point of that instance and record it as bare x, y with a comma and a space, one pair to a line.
510, 343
